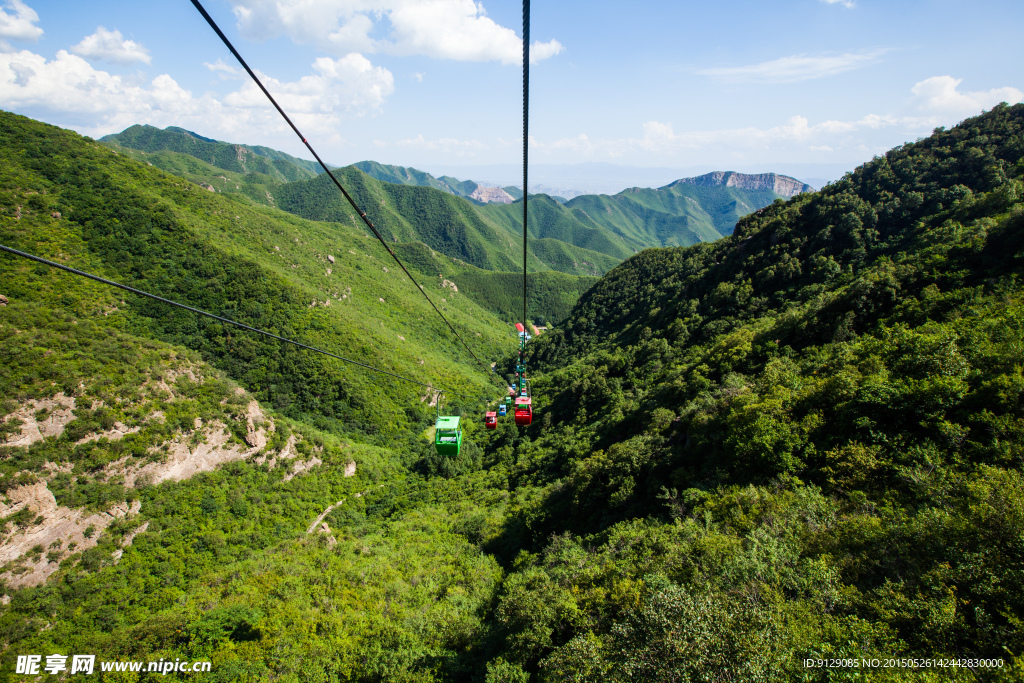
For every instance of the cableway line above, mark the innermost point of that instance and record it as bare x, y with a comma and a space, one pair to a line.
351, 201
200, 311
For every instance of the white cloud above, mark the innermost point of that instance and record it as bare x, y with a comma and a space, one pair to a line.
849, 4
21, 25
68, 84
351, 83
225, 70
659, 140
112, 47
541, 51
939, 95
580, 144
461, 148
794, 68
444, 29
660, 137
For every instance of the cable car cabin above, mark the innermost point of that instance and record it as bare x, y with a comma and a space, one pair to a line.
502, 410
491, 420
524, 411
447, 435
508, 401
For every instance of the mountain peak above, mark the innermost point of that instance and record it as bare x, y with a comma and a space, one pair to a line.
780, 184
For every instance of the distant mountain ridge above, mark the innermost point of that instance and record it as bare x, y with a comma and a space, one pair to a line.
237, 158
465, 220
781, 185
467, 189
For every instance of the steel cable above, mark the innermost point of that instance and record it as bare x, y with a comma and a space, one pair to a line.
200, 311
362, 214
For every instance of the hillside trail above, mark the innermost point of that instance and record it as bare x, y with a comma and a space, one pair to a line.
312, 527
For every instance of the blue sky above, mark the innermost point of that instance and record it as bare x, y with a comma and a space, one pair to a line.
812, 87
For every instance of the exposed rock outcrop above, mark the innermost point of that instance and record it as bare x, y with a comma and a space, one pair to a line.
32, 550
61, 530
779, 184
324, 529
494, 195
54, 414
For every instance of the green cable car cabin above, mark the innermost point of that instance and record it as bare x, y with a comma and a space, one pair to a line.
447, 435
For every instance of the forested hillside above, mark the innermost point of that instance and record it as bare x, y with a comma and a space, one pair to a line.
226, 156
400, 175
586, 236
802, 440
447, 223
134, 465
327, 285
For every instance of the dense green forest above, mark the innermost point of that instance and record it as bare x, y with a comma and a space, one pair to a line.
280, 166
587, 236
802, 440
325, 285
411, 176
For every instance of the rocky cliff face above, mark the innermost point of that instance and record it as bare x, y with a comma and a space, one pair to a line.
492, 194
780, 184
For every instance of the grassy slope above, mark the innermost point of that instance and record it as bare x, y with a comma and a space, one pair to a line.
549, 220
400, 175
678, 215
254, 264
801, 441
550, 294
246, 520
257, 187
236, 158
447, 223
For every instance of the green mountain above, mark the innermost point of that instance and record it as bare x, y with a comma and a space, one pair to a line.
219, 167
685, 212
797, 443
678, 214
255, 264
400, 175
448, 224
236, 158
586, 236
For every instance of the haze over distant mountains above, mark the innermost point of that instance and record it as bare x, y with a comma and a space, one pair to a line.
465, 220
784, 186
803, 438
571, 180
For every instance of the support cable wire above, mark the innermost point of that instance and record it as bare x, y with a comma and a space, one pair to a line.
200, 311
526, 146
362, 214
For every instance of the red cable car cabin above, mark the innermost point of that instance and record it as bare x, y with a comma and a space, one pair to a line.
491, 420
524, 411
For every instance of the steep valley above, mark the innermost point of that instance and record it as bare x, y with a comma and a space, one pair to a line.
801, 440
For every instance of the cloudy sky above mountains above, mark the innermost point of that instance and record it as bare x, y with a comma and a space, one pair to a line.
432, 83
